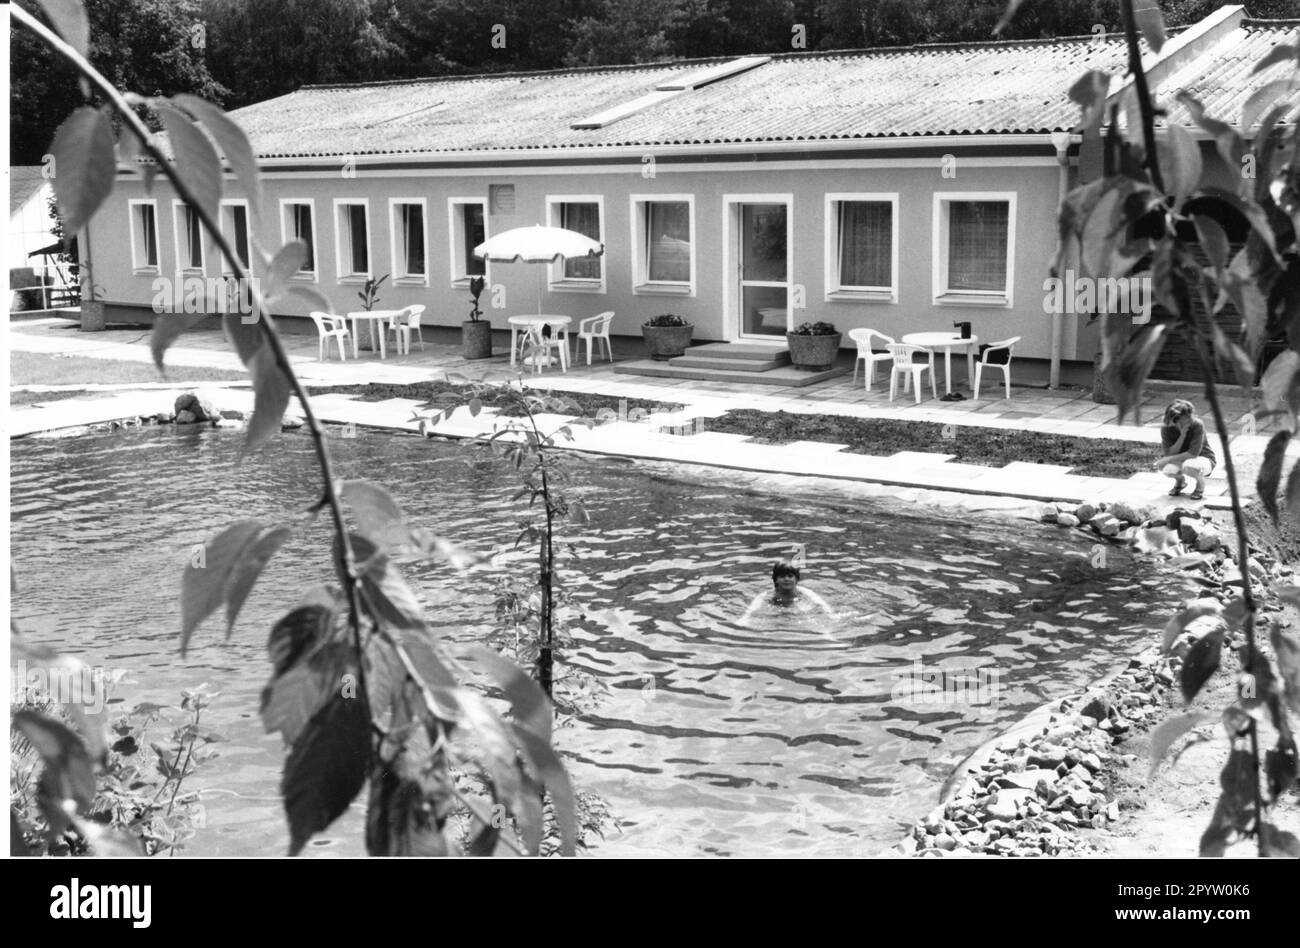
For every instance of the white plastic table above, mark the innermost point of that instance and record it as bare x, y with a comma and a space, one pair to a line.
559, 326
947, 341
372, 316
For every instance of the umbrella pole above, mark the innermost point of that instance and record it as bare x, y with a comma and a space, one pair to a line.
539, 293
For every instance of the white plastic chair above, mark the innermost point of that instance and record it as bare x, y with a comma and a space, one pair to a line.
331, 327
405, 324
904, 365
984, 362
863, 337
537, 347
593, 328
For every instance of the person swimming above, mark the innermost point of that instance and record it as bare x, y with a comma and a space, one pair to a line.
786, 593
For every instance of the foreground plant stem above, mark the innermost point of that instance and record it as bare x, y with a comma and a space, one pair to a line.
132, 121
1143, 94
1243, 567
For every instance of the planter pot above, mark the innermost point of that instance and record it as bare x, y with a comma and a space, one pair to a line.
666, 342
476, 339
813, 353
92, 316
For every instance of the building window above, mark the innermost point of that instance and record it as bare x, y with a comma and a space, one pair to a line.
861, 246
662, 234
583, 214
297, 222
234, 225
352, 227
974, 244
189, 238
144, 235
409, 257
468, 229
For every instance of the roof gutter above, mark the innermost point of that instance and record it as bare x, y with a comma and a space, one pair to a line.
636, 152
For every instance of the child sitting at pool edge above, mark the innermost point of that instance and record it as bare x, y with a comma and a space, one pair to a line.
1185, 449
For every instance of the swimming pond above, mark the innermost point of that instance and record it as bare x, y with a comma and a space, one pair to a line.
794, 732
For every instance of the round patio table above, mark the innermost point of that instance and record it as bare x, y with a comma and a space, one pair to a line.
559, 326
947, 341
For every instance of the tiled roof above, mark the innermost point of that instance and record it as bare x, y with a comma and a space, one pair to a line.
923, 90
1220, 76
24, 181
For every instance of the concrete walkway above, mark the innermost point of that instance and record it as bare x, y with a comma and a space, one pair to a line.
1067, 412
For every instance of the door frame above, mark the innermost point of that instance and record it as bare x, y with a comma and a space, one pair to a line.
733, 325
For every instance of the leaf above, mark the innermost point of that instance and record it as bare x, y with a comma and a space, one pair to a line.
1135, 365
84, 166
1279, 842
1278, 54
1260, 99
326, 769
247, 338
1235, 808
297, 633
80, 692
1182, 164
475, 406
270, 399
546, 763
501, 761
1230, 144
1100, 231
1191, 611
377, 515
1163, 737
578, 513
1005, 20
1151, 22
287, 261
1286, 645
528, 704
233, 142
167, 328
203, 588
68, 773
1213, 240
1275, 385
1202, 661
1270, 472
409, 802
68, 17
290, 700
194, 159
1292, 495
250, 567
1250, 211
1281, 767
386, 592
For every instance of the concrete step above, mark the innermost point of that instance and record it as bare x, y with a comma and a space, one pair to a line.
739, 350
785, 375
728, 365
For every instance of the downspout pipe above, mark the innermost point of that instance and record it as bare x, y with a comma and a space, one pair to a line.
1061, 141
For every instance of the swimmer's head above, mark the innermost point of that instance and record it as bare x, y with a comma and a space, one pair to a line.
784, 574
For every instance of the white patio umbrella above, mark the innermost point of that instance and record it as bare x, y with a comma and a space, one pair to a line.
537, 244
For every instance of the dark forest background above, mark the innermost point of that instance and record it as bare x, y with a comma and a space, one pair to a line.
236, 52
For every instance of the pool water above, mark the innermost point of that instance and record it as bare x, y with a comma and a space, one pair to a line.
794, 732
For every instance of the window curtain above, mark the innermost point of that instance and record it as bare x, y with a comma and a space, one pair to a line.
475, 234
357, 231
413, 238
668, 241
239, 217
149, 235
302, 231
194, 237
585, 219
977, 245
866, 251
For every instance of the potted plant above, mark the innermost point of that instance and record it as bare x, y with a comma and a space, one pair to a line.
813, 346
476, 333
666, 336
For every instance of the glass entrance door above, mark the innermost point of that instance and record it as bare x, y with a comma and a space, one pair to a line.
764, 292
